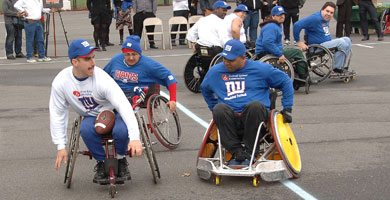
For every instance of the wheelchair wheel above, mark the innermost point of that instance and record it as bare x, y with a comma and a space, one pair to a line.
320, 61
210, 142
194, 73
164, 124
286, 67
72, 151
217, 59
286, 143
385, 20
147, 144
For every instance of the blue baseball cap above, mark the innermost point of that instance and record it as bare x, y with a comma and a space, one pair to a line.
80, 48
241, 7
277, 10
232, 49
221, 4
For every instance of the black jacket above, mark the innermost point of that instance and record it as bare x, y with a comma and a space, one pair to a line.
289, 4
252, 5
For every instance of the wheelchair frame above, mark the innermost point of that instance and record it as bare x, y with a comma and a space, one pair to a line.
144, 128
274, 163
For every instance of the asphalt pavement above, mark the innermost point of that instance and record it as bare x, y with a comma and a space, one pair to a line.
341, 130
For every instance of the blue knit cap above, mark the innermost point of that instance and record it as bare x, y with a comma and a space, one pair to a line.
133, 43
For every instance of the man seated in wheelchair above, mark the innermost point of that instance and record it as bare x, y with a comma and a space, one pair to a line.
89, 90
238, 85
204, 34
270, 42
317, 31
130, 69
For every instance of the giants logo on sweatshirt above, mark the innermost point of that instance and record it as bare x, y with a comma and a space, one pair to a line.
126, 77
235, 87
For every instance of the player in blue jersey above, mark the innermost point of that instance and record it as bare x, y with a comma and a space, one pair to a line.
130, 69
238, 85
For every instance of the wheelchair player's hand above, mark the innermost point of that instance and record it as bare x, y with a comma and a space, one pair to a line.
282, 59
302, 45
135, 147
61, 155
287, 117
172, 106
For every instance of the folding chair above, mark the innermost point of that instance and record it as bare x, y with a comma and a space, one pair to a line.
153, 21
191, 21
179, 21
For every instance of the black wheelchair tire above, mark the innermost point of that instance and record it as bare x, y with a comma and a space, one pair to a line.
72, 151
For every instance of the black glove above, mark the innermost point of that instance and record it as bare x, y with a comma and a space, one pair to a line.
287, 117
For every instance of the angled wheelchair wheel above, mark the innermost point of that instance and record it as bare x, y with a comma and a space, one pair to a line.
217, 59
286, 67
210, 142
286, 143
72, 151
147, 145
194, 73
320, 60
164, 124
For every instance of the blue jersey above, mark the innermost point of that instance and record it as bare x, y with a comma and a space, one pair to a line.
270, 40
126, 5
252, 82
316, 29
143, 74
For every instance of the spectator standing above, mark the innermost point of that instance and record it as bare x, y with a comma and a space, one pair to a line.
251, 21
180, 8
369, 6
32, 11
206, 6
100, 19
266, 8
124, 18
291, 8
144, 9
344, 18
13, 26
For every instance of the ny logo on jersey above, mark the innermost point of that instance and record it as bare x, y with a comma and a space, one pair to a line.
89, 103
235, 87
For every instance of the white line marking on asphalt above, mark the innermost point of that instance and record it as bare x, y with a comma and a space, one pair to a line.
361, 45
292, 186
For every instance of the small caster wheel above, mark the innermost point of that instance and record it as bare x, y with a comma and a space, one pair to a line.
255, 181
346, 80
112, 191
353, 78
217, 180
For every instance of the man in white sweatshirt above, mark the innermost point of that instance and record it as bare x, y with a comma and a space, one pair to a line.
89, 90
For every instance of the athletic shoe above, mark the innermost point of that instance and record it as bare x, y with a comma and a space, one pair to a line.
10, 57
31, 60
286, 41
20, 55
100, 174
123, 169
45, 59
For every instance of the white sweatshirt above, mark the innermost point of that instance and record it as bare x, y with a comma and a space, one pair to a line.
88, 98
34, 8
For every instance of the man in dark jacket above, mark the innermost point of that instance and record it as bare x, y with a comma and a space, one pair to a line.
14, 27
292, 14
344, 18
252, 18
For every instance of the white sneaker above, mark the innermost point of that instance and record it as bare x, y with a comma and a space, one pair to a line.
286, 42
31, 60
45, 59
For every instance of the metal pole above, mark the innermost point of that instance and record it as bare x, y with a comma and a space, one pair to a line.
54, 34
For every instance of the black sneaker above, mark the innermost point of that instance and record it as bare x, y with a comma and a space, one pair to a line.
339, 71
110, 44
239, 155
153, 46
100, 174
123, 169
10, 57
20, 55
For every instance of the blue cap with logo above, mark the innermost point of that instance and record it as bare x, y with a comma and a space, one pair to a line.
232, 49
80, 48
221, 4
277, 10
241, 7
132, 42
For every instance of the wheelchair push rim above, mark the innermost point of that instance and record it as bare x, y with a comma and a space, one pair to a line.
320, 61
286, 143
285, 67
72, 151
164, 124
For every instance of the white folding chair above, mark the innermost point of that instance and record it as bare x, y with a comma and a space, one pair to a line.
153, 21
179, 21
191, 21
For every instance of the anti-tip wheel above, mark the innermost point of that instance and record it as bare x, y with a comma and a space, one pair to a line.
217, 180
346, 80
255, 181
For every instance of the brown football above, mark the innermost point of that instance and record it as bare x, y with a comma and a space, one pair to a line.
105, 122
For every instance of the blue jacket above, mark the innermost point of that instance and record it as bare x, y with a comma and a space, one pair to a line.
252, 82
316, 29
126, 5
270, 40
143, 74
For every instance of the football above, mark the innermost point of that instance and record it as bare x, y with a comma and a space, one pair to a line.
105, 122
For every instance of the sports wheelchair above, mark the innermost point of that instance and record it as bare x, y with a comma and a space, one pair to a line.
159, 124
199, 63
385, 21
278, 154
321, 62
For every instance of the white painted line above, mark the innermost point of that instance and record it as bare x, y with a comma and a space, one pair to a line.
371, 43
290, 185
361, 45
